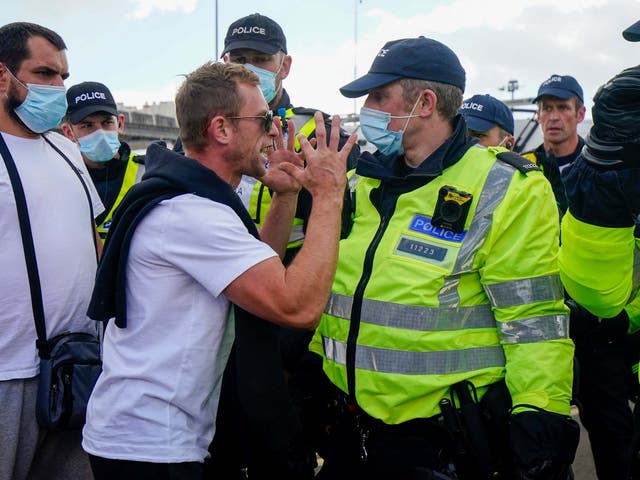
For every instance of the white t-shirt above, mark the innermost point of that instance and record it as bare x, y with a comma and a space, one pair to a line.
63, 240
157, 397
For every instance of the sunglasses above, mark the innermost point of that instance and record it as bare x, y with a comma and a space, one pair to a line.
267, 117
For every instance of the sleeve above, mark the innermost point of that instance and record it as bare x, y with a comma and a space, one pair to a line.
519, 272
208, 241
587, 249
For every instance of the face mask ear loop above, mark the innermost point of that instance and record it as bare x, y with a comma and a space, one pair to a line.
411, 115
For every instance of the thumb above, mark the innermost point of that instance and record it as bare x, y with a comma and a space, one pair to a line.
291, 170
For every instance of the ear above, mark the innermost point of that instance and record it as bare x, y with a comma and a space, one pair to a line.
220, 130
286, 67
66, 130
120, 117
510, 142
427, 103
5, 79
581, 113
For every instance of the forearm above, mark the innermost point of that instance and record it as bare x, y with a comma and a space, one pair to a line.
276, 228
596, 265
312, 271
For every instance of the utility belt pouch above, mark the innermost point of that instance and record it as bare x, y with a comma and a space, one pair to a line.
69, 367
476, 439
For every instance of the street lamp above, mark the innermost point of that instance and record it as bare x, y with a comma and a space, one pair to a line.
512, 86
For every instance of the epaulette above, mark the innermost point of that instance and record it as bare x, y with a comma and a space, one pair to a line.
138, 158
517, 161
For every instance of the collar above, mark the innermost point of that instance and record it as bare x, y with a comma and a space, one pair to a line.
394, 167
565, 160
285, 102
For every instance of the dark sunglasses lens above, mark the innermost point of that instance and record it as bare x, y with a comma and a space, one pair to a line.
268, 121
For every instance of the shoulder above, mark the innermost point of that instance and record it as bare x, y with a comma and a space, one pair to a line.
135, 158
67, 147
519, 162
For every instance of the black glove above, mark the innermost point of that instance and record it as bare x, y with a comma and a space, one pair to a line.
585, 327
603, 196
543, 445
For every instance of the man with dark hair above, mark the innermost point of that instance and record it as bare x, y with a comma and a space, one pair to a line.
93, 122
33, 67
180, 250
447, 307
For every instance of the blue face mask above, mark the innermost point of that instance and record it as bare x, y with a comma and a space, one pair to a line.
373, 124
100, 146
267, 80
44, 106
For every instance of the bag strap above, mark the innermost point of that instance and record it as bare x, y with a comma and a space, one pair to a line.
27, 237
86, 191
27, 244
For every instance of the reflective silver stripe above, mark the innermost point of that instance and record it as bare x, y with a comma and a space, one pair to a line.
636, 272
140, 173
536, 329
416, 363
411, 317
524, 291
297, 234
494, 189
448, 296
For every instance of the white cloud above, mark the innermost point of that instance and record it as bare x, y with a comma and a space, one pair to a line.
144, 8
496, 40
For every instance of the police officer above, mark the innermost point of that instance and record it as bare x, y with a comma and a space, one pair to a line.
447, 297
93, 122
489, 120
560, 104
258, 42
599, 241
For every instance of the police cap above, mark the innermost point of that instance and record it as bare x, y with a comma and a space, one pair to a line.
420, 58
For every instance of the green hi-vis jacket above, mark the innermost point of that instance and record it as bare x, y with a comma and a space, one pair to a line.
600, 268
260, 200
416, 308
132, 175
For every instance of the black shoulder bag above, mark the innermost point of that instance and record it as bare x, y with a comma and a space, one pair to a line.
69, 363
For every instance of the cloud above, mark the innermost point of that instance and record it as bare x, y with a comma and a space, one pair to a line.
496, 41
144, 8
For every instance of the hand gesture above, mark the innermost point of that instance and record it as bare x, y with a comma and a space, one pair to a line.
325, 173
275, 178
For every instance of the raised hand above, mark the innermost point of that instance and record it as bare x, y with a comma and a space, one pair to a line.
325, 172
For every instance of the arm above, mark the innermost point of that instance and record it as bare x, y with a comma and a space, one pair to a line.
520, 274
296, 296
596, 257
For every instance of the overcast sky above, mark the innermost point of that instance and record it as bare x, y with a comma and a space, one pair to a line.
140, 48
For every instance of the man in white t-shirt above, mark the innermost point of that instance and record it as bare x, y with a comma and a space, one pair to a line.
181, 249
33, 66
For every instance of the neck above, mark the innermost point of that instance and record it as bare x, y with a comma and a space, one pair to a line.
562, 149
215, 162
8, 124
420, 144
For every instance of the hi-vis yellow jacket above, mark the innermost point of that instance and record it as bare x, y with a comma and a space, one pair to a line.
600, 268
416, 308
132, 175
